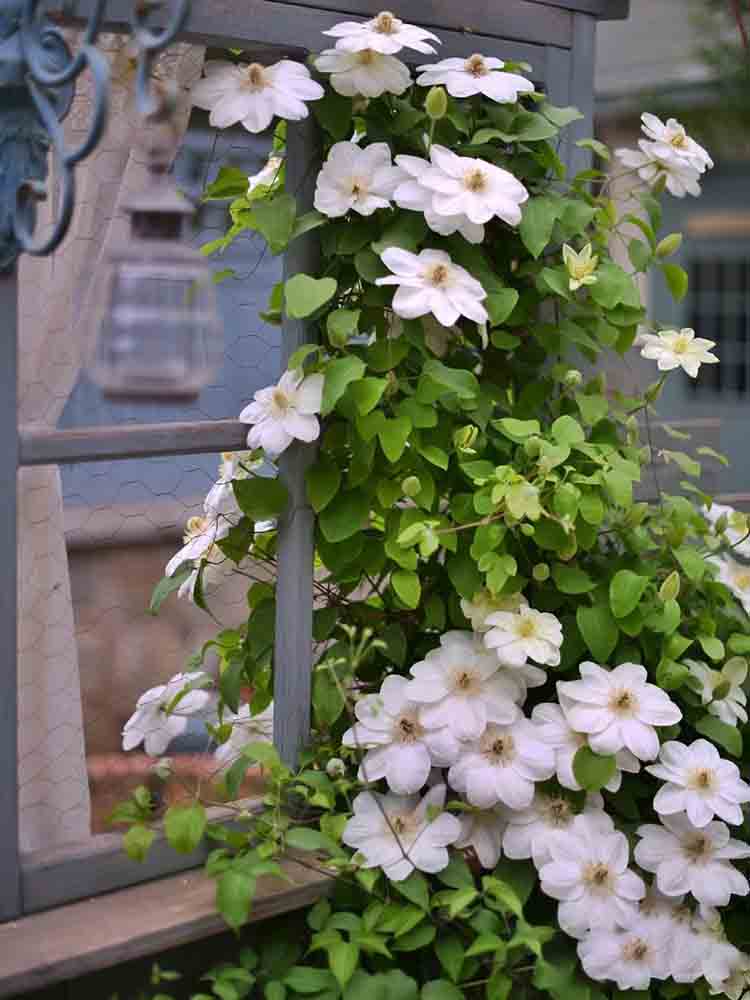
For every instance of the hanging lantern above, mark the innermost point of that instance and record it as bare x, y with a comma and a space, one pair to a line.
157, 329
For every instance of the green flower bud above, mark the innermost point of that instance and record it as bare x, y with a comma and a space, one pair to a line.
411, 486
540, 572
337, 338
528, 530
532, 447
671, 587
721, 690
573, 379
465, 437
335, 768
436, 103
669, 245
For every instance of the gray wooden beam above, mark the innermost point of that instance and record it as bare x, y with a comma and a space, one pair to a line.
294, 584
103, 444
581, 91
10, 881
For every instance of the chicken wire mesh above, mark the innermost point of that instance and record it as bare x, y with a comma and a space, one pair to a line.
123, 520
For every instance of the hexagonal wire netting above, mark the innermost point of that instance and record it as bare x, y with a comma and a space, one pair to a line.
124, 520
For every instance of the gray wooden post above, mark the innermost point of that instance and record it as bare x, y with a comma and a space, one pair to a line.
294, 587
10, 877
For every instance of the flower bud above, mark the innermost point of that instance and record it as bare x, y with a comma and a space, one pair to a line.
671, 587
572, 379
669, 245
528, 530
411, 486
335, 768
532, 446
465, 437
721, 690
436, 103
540, 572
162, 768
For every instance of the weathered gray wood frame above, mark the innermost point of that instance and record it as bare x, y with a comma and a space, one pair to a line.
557, 38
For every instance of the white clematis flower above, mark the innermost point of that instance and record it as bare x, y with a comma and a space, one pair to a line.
734, 526
721, 690
698, 782
475, 75
356, 179
483, 832
618, 709
246, 729
254, 94
460, 686
399, 834
680, 178
502, 766
429, 282
677, 349
589, 874
690, 860
414, 196
581, 267
670, 141
737, 984
632, 957
526, 634
530, 831
384, 33
735, 576
400, 748
366, 73
474, 188
702, 949
155, 725
483, 603
555, 730
285, 412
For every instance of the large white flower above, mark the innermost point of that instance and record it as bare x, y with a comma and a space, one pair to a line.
686, 859
460, 685
368, 73
677, 349
400, 748
589, 874
399, 833
618, 709
483, 832
701, 949
526, 634
698, 782
466, 186
246, 729
429, 282
555, 729
475, 75
529, 831
680, 178
632, 957
356, 179
201, 534
502, 766
414, 196
735, 576
285, 412
162, 713
734, 526
483, 603
670, 141
384, 33
736, 985
254, 94
721, 690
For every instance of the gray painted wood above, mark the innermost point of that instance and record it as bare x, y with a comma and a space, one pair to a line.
293, 652
10, 883
101, 444
582, 90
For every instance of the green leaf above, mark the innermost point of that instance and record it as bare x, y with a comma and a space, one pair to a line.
334, 113
571, 579
450, 953
500, 305
640, 255
486, 944
538, 221
234, 894
323, 482
567, 430
614, 287
625, 591
593, 408
137, 842
415, 889
345, 515
677, 280
184, 826
260, 497
342, 324
457, 380
265, 754
230, 182
712, 647
367, 393
441, 989
304, 295
303, 838
592, 770
685, 463
338, 374
738, 643
304, 979
692, 563
502, 893
407, 587
166, 586
596, 147
720, 732
343, 957
420, 937
599, 631
393, 436
517, 430
274, 219
562, 116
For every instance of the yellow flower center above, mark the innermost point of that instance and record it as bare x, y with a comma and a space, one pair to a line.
438, 275
466, 680
280, 400
623, 702
742, 581
597, 875
498, 749
366, 57
359, 187
558, 812
386, 23
681, 345
679, 139
409, 729
196, 527
526, 628
255, 77
475, 180
701, 779
697, 847
476, 66
635, 950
